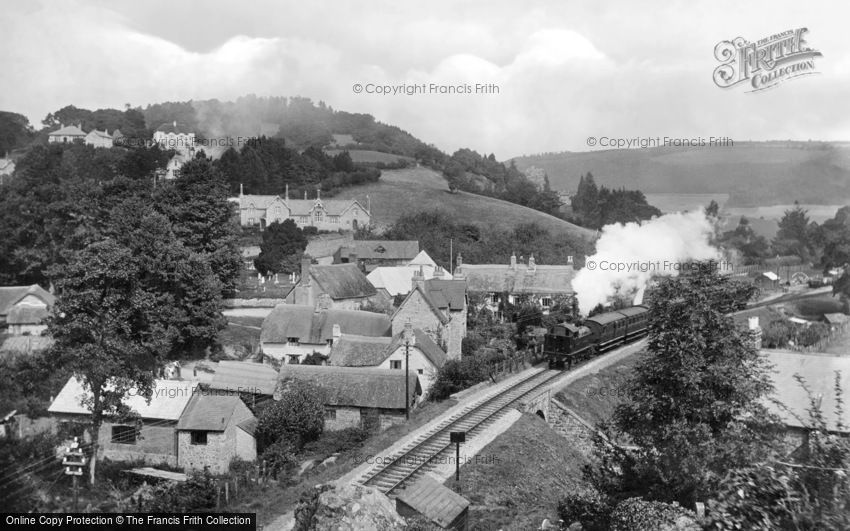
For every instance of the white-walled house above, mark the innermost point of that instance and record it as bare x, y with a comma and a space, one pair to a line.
425, 357
291, 331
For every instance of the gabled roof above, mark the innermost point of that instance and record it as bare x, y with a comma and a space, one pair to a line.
420, 292
68, 130
327, 244
818, 372
386, 249
342, 281
355, 386
207, 412
447, 294
359, 351
244, 377
399, 279
434, 501
99, 134
316, 327
498, 278
167, 402
11, 295
422, 259
261, 202
424, 343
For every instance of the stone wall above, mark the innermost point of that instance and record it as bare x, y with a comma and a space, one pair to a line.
221, 447
572, 427
346, 417
420, 314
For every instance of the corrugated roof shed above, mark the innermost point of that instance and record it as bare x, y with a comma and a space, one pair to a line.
818, 372
207, 412
342, 281
244, 377
355, 386
168, 401
316, 327
434, 501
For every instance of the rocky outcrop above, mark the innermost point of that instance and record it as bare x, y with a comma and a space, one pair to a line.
346, 508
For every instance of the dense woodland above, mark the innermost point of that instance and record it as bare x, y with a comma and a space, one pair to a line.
596, 206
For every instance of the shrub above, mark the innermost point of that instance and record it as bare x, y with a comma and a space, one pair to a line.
336, 442
299, 416
635, 514
278, 456
196, 494
587, 507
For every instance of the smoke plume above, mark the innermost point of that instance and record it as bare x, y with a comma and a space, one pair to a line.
627, 256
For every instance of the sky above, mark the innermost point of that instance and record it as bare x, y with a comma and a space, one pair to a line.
565, 71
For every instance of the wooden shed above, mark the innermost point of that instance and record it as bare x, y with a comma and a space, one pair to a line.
436, 502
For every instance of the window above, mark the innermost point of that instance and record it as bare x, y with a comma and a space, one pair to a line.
199, 438
293, 359
420, 371
319, 216
252, 221
293, 341
395, 364
333, 219
546, 302
330, 413
124, 434
304, 219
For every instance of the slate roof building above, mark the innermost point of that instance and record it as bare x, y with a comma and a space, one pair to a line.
439, 308
253, 381
99, 139
323, 247
24, 308
324, 214
372, 399
337, 286
155, 442
818, 371
539, 284
291, 332
214, 430
66, 134
369, 254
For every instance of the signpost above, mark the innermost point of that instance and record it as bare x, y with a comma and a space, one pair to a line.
457, 437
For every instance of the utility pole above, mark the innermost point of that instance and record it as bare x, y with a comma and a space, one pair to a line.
451, 256
409, 339
74, 462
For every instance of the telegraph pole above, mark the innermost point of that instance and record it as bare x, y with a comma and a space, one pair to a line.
74, 462
409, 338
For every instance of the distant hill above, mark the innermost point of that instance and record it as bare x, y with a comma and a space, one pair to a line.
752, 173
409, 190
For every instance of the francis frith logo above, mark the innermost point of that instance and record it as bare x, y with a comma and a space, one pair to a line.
765, 63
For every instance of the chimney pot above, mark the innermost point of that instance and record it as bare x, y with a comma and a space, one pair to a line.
513, 260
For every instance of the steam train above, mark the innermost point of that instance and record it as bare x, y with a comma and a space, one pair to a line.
567, 342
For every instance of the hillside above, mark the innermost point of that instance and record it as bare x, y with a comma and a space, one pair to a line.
752, 173
408, 190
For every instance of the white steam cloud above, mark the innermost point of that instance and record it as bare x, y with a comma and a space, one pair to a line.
627, 256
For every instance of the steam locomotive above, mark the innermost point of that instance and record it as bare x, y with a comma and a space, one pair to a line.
567, 342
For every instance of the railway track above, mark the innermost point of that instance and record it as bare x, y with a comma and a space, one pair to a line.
424, 452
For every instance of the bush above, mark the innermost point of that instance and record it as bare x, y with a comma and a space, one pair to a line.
278, 456
635, 514
21, 462
336, 442
196, 494
588, 507
299, 416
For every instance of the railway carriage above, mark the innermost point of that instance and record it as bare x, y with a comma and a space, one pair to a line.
568, 342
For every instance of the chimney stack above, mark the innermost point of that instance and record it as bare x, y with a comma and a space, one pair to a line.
305, 195
438, 272
513, 260
419, 279
240, 190
318, 193
286, 197
531, 264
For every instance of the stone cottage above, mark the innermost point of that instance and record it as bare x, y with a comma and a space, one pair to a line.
372, 399
439, 308
213, 430
291, 332
324, 214
336, 287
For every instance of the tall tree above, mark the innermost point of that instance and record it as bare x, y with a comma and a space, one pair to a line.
794, 233
282, 247
694, 402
